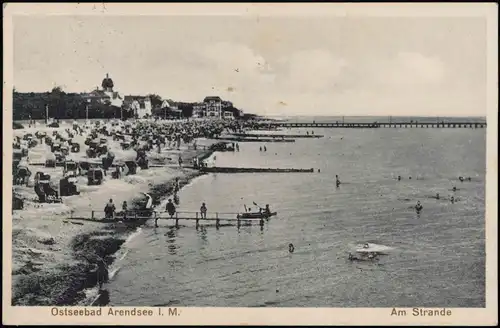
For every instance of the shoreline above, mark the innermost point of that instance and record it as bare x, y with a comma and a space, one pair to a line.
65, 283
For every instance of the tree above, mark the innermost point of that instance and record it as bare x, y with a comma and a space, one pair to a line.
156, 100
187, 109
57, 102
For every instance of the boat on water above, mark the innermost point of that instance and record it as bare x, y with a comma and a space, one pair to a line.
256, 215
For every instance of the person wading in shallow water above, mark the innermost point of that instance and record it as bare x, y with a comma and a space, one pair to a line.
418, 207
102, 272
337, 181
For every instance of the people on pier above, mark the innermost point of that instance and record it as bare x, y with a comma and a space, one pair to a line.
109, 209
170, 208
203, 211
124, 209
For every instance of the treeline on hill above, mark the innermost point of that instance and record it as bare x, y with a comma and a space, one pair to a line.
62, 105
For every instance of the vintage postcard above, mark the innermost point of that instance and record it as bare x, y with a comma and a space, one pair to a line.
237, 164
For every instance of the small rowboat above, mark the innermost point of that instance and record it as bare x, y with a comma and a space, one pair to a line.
257, 215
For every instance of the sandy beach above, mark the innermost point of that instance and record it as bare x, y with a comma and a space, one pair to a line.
53, 254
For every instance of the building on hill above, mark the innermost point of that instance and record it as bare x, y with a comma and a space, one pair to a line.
228, 114
107, 95
170, 109
213, 107
139, 105
199, 110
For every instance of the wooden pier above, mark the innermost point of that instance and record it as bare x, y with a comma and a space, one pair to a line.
137, 217
253, 139
296, 136
252, 170
474, 125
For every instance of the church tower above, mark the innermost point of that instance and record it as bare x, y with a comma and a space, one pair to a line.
107, 84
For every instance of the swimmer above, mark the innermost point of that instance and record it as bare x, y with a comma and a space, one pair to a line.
452, 199
461, 179
399, 178
437, 196
418, 207
454, 188
337, 181
366, 245
469, 179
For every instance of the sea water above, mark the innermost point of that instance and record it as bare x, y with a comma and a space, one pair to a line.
437, 258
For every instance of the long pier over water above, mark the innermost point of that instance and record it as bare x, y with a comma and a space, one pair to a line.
379, 125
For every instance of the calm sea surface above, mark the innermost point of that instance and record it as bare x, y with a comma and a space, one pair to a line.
438, 258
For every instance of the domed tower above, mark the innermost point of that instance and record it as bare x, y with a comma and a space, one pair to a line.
107, 84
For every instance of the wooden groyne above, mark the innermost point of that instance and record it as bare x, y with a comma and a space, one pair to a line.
474, 125
255, 135
252, 170
242, 139
138, 218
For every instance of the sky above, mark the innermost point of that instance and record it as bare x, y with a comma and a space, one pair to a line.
266, 65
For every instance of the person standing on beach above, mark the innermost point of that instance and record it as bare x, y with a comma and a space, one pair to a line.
177, 185
180, 161
203, 211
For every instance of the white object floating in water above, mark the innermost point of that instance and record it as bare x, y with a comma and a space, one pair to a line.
372, 248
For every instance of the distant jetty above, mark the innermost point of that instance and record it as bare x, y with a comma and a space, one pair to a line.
241, 139
255, 135
380, 125
252, 170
